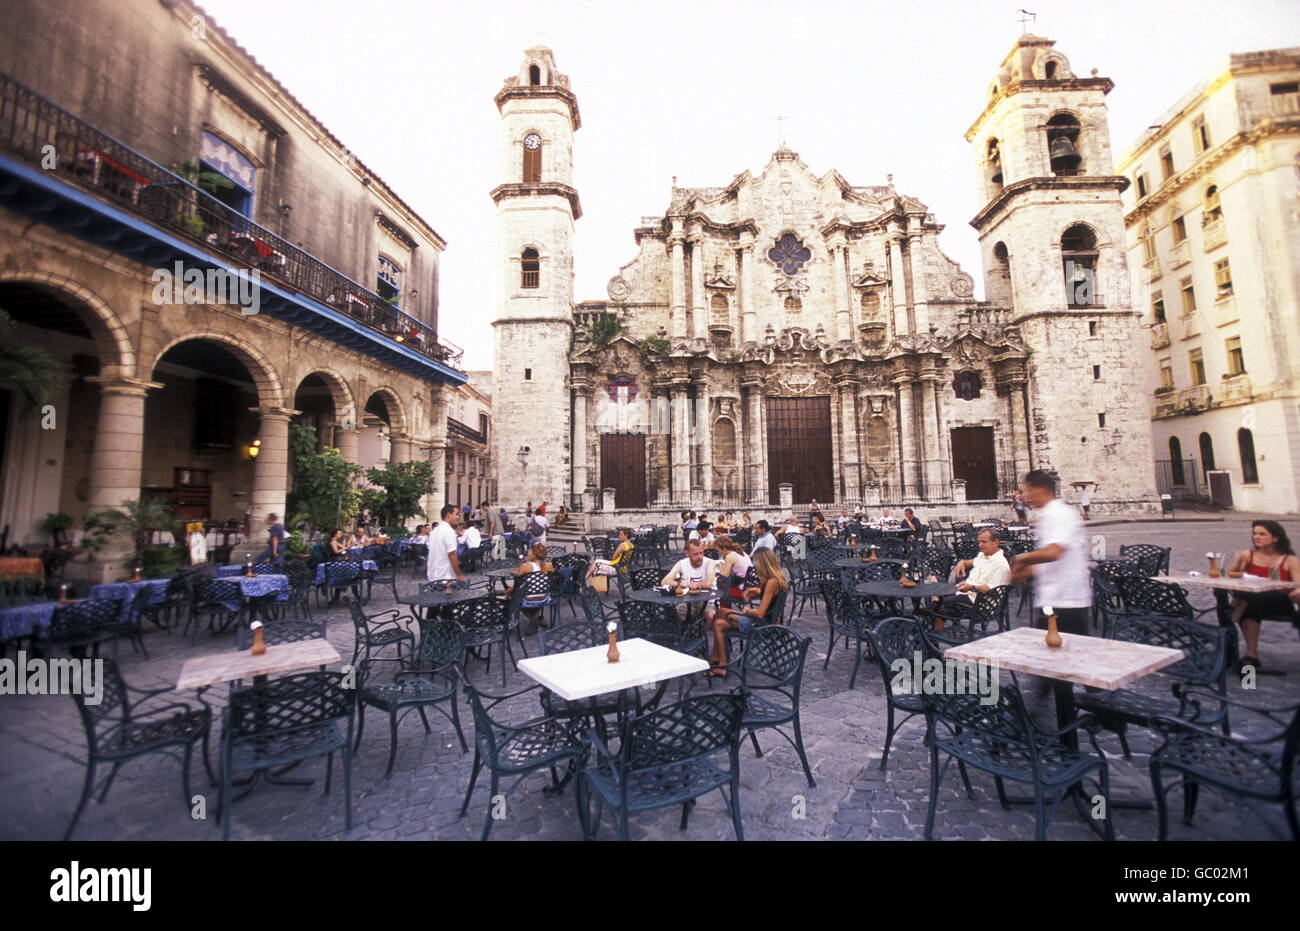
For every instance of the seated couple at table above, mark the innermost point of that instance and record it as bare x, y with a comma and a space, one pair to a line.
754, 601
1270, 552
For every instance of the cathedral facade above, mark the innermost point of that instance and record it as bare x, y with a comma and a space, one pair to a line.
790, 336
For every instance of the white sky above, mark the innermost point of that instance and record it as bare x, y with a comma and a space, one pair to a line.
692, 87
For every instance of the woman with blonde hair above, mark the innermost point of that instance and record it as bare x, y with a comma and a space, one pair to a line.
771, 583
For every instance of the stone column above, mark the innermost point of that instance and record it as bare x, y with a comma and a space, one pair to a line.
678, 286
580, 389
921, 311
115, 465
346, 440
755, 461
907, 435
843, 317
850, 464
704, 437
898, 286
400, 448
270, 477
699, 320
932, 472
1020, 442
749, 314
681, 427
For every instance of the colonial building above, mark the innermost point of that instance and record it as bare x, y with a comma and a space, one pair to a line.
791, 335
471, 471
1213, 234
209, 262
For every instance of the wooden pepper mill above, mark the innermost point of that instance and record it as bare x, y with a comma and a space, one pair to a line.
248, 569
1053, 638
612, 653
1214, 566
259, 639
63, 594
136, 577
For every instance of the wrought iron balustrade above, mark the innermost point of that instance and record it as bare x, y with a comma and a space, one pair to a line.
43, 135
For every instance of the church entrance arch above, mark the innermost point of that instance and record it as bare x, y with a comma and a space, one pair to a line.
799, 448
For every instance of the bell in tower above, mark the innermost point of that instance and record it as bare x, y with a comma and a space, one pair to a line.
1062, 134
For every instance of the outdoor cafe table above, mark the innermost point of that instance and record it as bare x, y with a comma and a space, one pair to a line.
1251, 584
233, 665
1090, 661
26, 620
367, 565
126, 591
890, 589
586, 673
259, 586
438, 598
655, 596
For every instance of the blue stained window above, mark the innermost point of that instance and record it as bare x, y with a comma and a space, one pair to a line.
789, 254
389, 285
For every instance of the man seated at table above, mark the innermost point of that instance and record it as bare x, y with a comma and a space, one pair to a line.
421, 535
763, 539
696, 573
359, 537
703, 532
274, 551
989, 569
843, 520
791, 525
910, 520
470, 540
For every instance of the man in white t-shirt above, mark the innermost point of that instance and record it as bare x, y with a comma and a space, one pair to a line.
1060, 564
696, 572
471, 538
442, 564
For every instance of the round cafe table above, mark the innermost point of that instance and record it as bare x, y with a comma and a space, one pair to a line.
888, 589
438, 599
655, 596
499, 575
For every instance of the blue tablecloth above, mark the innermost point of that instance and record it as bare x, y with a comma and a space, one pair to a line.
126, 591
255, 587
367, 565
24, 620
233, 569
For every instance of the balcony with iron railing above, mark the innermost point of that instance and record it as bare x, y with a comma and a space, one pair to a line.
47, 150
457, 429
1189, 325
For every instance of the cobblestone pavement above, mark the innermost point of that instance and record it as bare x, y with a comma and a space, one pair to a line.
42, 748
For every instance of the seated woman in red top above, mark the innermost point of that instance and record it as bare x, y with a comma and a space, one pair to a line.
1270, 557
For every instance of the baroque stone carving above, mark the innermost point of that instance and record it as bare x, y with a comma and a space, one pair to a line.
618, 289
962, 285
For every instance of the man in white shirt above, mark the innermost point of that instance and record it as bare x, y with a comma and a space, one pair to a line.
843, 519
1060, 564
987, 570
696, 572
765, 540
442, 564
471, 538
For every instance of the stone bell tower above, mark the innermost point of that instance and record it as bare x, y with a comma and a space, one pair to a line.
1052, 242
533, 327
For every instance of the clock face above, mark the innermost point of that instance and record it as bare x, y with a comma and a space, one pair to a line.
532, 141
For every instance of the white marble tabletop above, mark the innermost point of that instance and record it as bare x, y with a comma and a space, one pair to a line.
1247, 583
584, 673
241, 664
1103, 664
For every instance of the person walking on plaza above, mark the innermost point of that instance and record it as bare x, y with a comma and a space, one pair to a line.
1059, 565
1018, 505
1085, 500
274, 551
